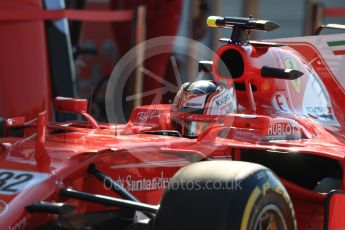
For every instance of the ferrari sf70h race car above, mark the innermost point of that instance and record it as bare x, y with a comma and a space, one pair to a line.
260, 145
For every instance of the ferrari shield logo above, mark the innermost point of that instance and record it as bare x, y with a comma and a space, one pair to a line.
291, 64
296, 85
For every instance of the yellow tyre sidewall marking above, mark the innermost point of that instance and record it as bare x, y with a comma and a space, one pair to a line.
249, 206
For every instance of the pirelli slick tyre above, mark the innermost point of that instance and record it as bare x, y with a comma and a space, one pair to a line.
225, 195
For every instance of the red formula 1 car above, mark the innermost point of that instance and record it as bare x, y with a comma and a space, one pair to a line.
261, 146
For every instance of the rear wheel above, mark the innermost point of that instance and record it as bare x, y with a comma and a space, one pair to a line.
225, 195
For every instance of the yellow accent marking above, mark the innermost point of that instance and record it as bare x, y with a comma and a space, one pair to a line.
249, 206
265, 187
283, 194
291, 64
296, 84
211, 21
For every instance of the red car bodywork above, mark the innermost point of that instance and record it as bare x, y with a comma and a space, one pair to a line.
271, 120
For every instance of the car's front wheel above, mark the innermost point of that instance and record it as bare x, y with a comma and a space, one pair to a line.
225, 195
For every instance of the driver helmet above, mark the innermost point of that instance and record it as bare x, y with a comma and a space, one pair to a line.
199, 104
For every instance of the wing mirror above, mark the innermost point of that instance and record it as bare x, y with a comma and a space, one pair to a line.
70, 105
75, 105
